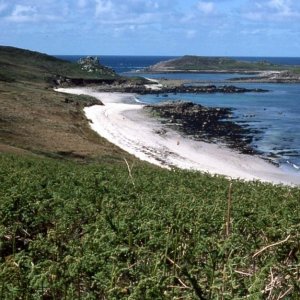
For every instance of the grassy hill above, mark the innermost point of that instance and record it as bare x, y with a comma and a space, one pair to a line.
19, 64
75, 225
201, 63
35, 119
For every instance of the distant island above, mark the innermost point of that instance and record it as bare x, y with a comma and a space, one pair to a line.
265, 71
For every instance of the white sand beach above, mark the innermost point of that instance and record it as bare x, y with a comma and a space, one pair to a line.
123, 122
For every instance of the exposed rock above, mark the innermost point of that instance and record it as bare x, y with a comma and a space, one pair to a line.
89, 63
59, 80
92, 65
204, 123
141, 88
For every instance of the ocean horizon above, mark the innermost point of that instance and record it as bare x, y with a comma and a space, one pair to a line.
127, 63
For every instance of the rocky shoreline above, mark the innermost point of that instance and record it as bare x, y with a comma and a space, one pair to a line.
204, 124
149, 87
260, 76
194, 120
203, 89
270, 77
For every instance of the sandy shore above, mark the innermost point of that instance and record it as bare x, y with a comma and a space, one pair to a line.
123, 122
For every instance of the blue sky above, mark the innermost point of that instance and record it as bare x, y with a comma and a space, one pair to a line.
153, 27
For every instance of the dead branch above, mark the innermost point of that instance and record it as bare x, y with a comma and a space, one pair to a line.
129, 171
243, 273
269, 246
228, 217
172, 262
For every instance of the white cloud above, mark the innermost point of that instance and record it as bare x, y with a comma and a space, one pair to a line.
104, 7
28, 13
281, 5
82, 3
252, 31
3, 6
253, 16
22, 13
206, 7
133, 12
190, 34
273, 10
153, 4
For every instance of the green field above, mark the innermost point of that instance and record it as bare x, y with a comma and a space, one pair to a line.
71, 231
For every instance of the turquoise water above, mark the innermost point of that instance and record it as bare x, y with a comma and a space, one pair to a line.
275, 114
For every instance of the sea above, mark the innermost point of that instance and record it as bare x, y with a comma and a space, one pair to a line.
274, 116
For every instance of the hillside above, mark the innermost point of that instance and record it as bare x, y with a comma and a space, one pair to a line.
78, 222
220, 64
35, 119
19, 64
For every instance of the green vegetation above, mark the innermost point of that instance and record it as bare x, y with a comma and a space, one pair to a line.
296, 71
19, 64
72, 231
202, 63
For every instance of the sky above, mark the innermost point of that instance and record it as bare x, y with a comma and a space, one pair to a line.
153, 27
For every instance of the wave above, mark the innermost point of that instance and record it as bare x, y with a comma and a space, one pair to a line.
297, 167
136, 99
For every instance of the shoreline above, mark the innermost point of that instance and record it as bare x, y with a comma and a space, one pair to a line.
259, 76
123, 122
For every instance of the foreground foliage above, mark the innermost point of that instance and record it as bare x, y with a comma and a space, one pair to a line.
72, 231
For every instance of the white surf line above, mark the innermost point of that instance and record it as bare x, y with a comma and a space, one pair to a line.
156, 86
128, 127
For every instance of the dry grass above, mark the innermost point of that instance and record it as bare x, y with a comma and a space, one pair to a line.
35, 118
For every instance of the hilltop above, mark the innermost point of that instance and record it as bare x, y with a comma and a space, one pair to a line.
20, 64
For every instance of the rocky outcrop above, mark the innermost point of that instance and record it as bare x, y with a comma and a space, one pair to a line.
92, 65
203, 89
62, 81
89, 64
205, 124
143, 88
59, 80
88, 71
